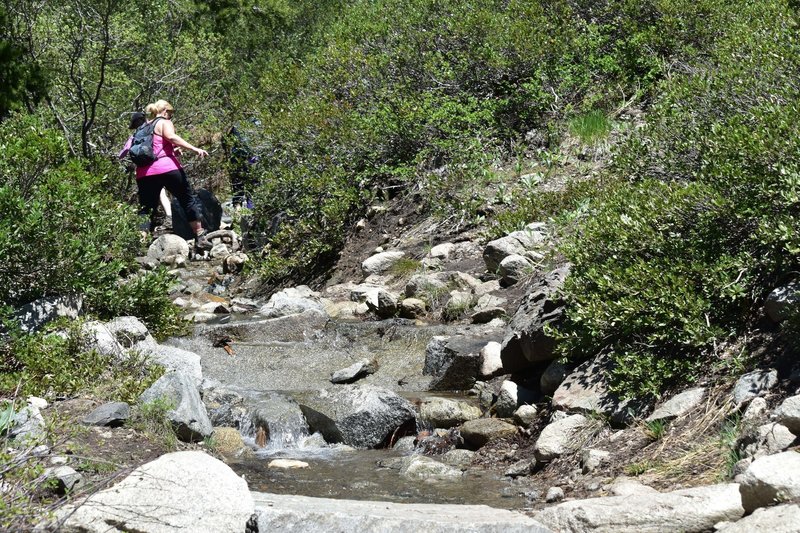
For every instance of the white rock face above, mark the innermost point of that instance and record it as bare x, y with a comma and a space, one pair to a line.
507, 399
766, 439
691, 510
788, 414
780, 519
301, 514
771, 479
380, 262
562, 436
678, 405
446, 413
491, 363
98, 337
182, 491
167, 246
526, 415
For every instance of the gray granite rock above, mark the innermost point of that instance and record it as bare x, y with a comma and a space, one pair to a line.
771, 479
112, 414
187, 414
754, 384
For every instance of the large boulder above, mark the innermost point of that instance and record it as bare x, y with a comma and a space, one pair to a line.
678, 405
166, 247
522, 243
563, 436
454, 362
291, 301
781, 301
179, 360
446, 413
477, 433
33, 316
586, 390
360, 416
526, 341
689, 510
181, 491
788, 414
754, 384
779, 519
131, 333
187, 413
771, 479
96, 336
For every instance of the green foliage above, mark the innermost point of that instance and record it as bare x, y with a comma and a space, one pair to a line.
668, 267
728, 437
21, 80
144, 295
655, 429
405, 267
152, 419
591, 127
55, 363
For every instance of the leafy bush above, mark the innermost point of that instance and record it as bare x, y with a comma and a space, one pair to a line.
674, 264
55, 363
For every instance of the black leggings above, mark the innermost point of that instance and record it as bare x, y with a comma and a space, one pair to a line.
176, 182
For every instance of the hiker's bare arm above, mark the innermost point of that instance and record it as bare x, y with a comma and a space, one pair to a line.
168, 132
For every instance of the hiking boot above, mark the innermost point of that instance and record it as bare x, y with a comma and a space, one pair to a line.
201, 243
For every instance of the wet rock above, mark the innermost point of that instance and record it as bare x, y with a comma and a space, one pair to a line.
405, 444
678, 405
356, 371
301, 514
445, 413
203, 494
788, 414
771, 479
381, 262
112, 414
478, 433
453, 362
234, 263
423, 468
360, 416
188, 414
527, 342
691, 510
458, 458
291, 301
754, 384
563, 436
287, 464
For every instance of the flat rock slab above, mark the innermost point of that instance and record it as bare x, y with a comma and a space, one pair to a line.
302, 514
690, 510
771, 479
780, 519
678, 405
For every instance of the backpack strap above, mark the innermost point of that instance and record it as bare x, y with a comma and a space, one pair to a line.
152, 127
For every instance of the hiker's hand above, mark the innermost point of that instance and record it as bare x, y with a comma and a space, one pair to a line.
201, 153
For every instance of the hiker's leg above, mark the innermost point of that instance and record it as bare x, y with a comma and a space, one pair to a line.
149, 191
177, 183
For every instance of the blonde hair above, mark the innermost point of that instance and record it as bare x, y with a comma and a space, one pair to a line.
158, 107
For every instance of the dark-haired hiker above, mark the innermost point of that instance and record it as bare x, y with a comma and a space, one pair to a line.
167, 172
137, 120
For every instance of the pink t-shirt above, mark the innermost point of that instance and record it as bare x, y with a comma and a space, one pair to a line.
167, 158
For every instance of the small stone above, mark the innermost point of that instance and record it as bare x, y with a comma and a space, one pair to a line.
554, 494
286, 464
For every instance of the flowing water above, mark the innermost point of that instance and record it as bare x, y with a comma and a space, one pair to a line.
277, 360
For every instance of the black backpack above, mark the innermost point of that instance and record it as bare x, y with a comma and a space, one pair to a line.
141, 151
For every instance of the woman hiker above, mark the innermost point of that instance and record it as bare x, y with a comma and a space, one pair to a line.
166, 171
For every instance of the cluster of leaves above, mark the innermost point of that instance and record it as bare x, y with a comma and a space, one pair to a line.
672, 263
